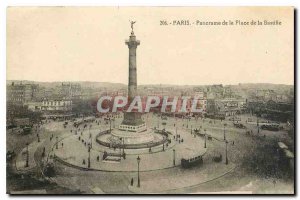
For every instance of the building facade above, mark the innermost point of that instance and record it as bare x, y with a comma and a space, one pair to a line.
63, 104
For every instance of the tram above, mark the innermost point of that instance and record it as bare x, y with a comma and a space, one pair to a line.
191, 160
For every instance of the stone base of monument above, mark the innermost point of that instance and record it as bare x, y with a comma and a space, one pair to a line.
131, 140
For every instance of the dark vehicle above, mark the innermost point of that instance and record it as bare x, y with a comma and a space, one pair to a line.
49, 170
272, 127
164, 118
191, 161
239, 125
217, 158
26, 129
215, 116
10, 155
235, 119
196, 131
11, 126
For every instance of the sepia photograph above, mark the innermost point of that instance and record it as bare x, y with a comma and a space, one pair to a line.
150, 100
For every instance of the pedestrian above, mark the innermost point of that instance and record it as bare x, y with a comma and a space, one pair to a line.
98, 158
83, 162
62, 144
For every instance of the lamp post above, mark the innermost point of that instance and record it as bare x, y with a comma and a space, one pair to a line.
120, 146
90, 135
191, 129
89, 158
27, 156
226, 142
109, 124
138, 162
56, 142
204, 138
174, 157
257, 126
224, 131
123, 146
187, 122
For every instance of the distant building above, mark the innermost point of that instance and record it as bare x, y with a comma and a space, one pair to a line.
70, 90
266, 95
21, 93
63, 104
226, 107
34, 105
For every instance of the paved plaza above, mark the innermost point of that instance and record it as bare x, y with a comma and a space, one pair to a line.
157, 172
74, 151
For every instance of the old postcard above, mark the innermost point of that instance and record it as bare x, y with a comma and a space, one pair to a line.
150, 100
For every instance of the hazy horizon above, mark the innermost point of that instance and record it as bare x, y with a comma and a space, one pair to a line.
149, 83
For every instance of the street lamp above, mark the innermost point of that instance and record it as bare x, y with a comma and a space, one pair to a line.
91, 138
27, 156
187, 122
123, 146
174, 157
226, 142
191, 129
224, 131
56, 142
120, 146
89, 158
138, 162
204, 138
110, 125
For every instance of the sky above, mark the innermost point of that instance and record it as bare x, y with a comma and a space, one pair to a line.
88, 44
